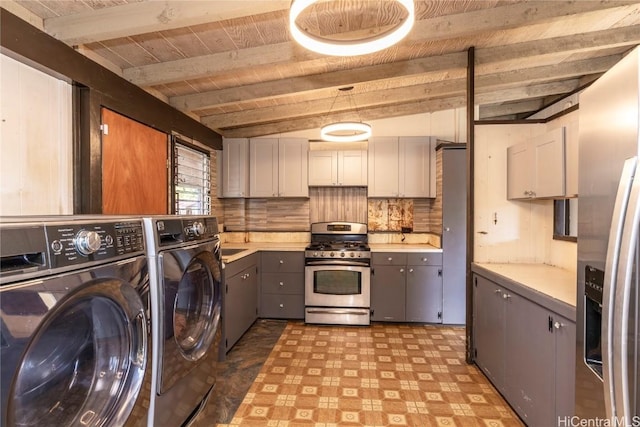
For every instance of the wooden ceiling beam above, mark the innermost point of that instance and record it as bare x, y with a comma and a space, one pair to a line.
396, 110
450, 26
150, 16
490, 82
490, 111
605, 39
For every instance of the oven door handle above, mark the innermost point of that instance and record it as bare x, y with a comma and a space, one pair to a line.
337, 311
337, 262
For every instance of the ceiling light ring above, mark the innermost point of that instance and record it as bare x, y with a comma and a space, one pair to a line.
349, 48
360, 132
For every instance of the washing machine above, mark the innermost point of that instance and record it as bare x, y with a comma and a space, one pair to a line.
186, 301
74, 322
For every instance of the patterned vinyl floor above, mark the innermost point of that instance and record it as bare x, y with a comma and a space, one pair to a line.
382, 375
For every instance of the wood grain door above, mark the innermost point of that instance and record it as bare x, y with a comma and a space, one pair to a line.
134, 167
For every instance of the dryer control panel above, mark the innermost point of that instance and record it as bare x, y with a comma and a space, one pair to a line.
79, 242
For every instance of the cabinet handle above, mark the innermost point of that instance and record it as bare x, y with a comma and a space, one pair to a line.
497, 291
558, 325
411, 270
402, 270
281, 305
390, 259
281, 262
281, 284
506, 296
425, 258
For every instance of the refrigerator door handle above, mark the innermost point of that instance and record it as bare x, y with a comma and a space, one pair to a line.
622, 297
610, 285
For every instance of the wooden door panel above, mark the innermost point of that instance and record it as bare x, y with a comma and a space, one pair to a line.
134, 167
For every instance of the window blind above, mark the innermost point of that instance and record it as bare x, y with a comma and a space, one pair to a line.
192, 181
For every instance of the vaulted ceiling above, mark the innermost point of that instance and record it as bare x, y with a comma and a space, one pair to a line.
234, 66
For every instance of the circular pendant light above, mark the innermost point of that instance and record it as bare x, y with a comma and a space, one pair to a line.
352, 47
345, 132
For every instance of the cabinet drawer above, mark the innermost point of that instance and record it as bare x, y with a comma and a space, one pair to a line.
425, 258
389, 258
282, 283
282, 306
283, 261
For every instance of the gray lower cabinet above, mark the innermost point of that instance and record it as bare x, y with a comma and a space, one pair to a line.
526, 350
406, 287
241, 298
424, 287
282, 285
388, 286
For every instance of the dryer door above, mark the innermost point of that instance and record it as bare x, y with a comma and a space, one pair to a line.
192, 304
85, 362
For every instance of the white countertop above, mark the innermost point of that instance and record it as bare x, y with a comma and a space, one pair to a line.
554, 282
403, 247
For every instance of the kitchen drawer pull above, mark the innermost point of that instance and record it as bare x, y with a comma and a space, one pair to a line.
424, 259
281, 283
281, 262
281, 305
390, 259
402, 270
411, 270
497, 291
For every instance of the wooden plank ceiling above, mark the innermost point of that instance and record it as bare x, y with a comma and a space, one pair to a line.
234, 66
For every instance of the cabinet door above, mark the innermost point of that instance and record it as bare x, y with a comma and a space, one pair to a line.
565, 334
529, 360
388, 293
241, 304
415, 154
424, 294
383, 167
352, 167
488, 329
571, 159
550, 163
235, 167
519, 171
263, 167
293, 167
323, 168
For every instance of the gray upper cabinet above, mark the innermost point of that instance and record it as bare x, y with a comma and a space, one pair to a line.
329, 168
235, 167
278, 167
536, 168
402, 167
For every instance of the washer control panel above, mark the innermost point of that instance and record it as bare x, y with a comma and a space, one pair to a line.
199, 228
78, 242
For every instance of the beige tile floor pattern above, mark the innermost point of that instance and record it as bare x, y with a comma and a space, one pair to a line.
382, 375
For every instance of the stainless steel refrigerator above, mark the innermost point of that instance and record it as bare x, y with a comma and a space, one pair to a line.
607, 374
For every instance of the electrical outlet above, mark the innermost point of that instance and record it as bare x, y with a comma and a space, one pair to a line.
407, 229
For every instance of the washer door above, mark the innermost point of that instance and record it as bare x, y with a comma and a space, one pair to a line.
193, 304
85, 363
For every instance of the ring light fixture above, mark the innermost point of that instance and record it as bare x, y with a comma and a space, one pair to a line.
345, 132
352, 47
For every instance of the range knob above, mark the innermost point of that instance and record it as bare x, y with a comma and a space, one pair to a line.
331, 254
87, 242
198, 228
342, 254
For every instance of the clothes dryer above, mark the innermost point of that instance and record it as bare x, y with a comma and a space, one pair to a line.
186, 303
74, 324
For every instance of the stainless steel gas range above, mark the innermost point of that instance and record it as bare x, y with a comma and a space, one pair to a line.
338, 274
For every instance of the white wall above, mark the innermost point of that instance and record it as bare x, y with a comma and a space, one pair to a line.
513, 231
35, 142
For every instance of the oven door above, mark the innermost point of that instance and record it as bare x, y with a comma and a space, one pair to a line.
337, 286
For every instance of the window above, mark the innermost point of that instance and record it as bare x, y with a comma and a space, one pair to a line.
565, 220
191, 180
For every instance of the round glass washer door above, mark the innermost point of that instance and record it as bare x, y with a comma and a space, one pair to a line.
197, 306
85, 364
